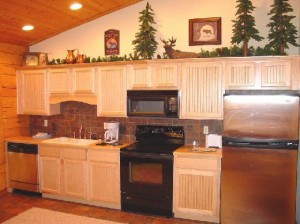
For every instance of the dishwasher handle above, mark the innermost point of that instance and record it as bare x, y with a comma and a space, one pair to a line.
22, 148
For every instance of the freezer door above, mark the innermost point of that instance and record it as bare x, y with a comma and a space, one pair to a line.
266, 117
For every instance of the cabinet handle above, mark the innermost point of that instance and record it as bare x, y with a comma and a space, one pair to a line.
128, 198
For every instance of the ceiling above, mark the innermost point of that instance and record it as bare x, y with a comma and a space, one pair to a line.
50, 17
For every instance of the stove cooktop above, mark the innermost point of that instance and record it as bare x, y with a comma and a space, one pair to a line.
154, 139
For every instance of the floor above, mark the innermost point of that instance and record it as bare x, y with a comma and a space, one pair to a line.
11, 204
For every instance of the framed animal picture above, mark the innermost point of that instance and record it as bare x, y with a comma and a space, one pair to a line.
205, 31
112, 42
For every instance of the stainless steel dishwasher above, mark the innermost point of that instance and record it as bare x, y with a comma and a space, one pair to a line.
22, 166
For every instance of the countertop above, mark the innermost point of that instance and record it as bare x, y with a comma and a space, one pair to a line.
188, 150
30, 140
25, 139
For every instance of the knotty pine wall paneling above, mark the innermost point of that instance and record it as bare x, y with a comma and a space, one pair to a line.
11, 124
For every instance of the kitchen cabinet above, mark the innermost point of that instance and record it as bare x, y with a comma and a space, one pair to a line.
111, 82
80, 173
33, 95
154, 75
50, 169
197, 186
104, 177
72, 84
84, 80
74, 179
202, 90
63, 170
59, 81
258, 74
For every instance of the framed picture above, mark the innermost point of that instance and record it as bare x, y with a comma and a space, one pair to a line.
35, 59
43, 59
205, 31
112, 42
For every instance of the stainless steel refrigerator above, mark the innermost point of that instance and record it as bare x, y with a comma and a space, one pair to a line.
259, 164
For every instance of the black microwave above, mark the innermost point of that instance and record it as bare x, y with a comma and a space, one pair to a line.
153, 103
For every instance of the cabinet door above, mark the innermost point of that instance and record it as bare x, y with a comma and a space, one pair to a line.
84, 80
59, 81
74, 178
139, 77
165, 76
32, 89
276, 74
111, 83
196, 195
49, 173
240, 75
202, 91
104, 180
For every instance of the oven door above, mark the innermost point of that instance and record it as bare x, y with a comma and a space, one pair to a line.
147, 183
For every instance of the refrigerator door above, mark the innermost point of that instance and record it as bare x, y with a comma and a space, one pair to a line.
261, 117
258, 186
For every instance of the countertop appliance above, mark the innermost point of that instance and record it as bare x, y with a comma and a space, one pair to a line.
147, 169
153, 103
259, 159
111, 135
22, 162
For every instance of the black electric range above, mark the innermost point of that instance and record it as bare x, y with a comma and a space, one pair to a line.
147, 169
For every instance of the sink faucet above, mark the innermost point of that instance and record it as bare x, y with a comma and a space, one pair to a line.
80, 130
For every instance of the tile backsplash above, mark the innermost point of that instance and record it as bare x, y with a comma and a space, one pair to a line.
73, 114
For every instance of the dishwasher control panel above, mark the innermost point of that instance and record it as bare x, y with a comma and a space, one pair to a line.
22, 148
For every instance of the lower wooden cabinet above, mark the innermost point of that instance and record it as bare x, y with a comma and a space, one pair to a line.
50, 175
74, 173
197, 186
80, 174
104, 177
49, 169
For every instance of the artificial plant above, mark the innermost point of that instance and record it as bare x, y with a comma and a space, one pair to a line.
145, 44
282, 31
244, 25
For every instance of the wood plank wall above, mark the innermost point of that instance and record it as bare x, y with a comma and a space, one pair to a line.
11, 124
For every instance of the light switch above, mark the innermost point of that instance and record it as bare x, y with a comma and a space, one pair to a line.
45, 123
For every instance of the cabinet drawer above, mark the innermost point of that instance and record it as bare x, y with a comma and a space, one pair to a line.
49, 151
103, 156
75, 154
195, 163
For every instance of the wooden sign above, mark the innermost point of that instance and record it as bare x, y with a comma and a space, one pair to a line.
112, 42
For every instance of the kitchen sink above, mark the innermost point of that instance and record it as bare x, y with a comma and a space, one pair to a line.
71, 141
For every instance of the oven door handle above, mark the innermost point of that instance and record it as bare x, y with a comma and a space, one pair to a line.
146, 156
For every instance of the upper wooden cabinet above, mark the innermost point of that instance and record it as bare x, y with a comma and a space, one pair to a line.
111, 82
202, 90
202, 83
84, 80
59, 81
33, 94
78, 84
259, 74
153, 76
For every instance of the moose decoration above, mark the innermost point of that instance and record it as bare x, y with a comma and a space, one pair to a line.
176, 53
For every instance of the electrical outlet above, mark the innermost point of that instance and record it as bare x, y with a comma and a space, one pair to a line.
45, 123
205, 130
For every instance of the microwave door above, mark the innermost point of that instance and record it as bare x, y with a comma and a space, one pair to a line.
155, 107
